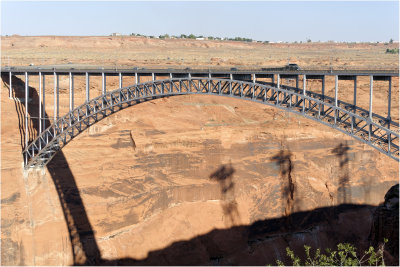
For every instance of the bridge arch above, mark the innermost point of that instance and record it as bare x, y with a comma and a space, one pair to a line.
354, 121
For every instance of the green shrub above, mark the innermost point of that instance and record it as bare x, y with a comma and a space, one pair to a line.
345, 255
392, 51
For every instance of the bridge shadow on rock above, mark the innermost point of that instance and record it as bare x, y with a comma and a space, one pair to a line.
84, 247
344, 189
224, 176
284, 160
265, 241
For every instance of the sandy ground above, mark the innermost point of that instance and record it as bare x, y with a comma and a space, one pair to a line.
180, 53
148, 175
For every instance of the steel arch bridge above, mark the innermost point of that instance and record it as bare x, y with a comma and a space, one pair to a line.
358, 123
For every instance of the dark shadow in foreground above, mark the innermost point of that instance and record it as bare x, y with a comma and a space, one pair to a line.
265, 241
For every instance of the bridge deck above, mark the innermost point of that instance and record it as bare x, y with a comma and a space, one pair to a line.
65, 70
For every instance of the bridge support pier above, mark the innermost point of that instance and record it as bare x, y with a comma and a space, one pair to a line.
120, 80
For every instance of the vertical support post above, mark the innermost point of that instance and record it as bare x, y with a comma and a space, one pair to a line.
87, 87
355, 94
55, 99
40, 107
304, 91
103, 83
120, 80
152, 78
103, 89
323, 93
297, 87
254, 78
58, 96
230, 83
71, 92
279, 80
170, 85
388, 117
10, 83
44, 103
336, 95
26, 114
136, 78
389, 101
354, 102
209, 83
336, 90
371, 86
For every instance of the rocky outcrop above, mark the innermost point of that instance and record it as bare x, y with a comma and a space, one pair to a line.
386, 225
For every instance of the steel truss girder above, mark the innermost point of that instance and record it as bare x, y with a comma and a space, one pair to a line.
320, 109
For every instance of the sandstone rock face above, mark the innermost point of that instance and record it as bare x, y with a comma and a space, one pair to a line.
386, 225
188, 178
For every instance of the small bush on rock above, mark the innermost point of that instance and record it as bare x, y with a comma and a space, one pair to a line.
345, 255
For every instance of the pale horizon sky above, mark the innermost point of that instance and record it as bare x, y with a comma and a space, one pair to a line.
366, 21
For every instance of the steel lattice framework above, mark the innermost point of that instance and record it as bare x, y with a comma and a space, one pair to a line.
373, 130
